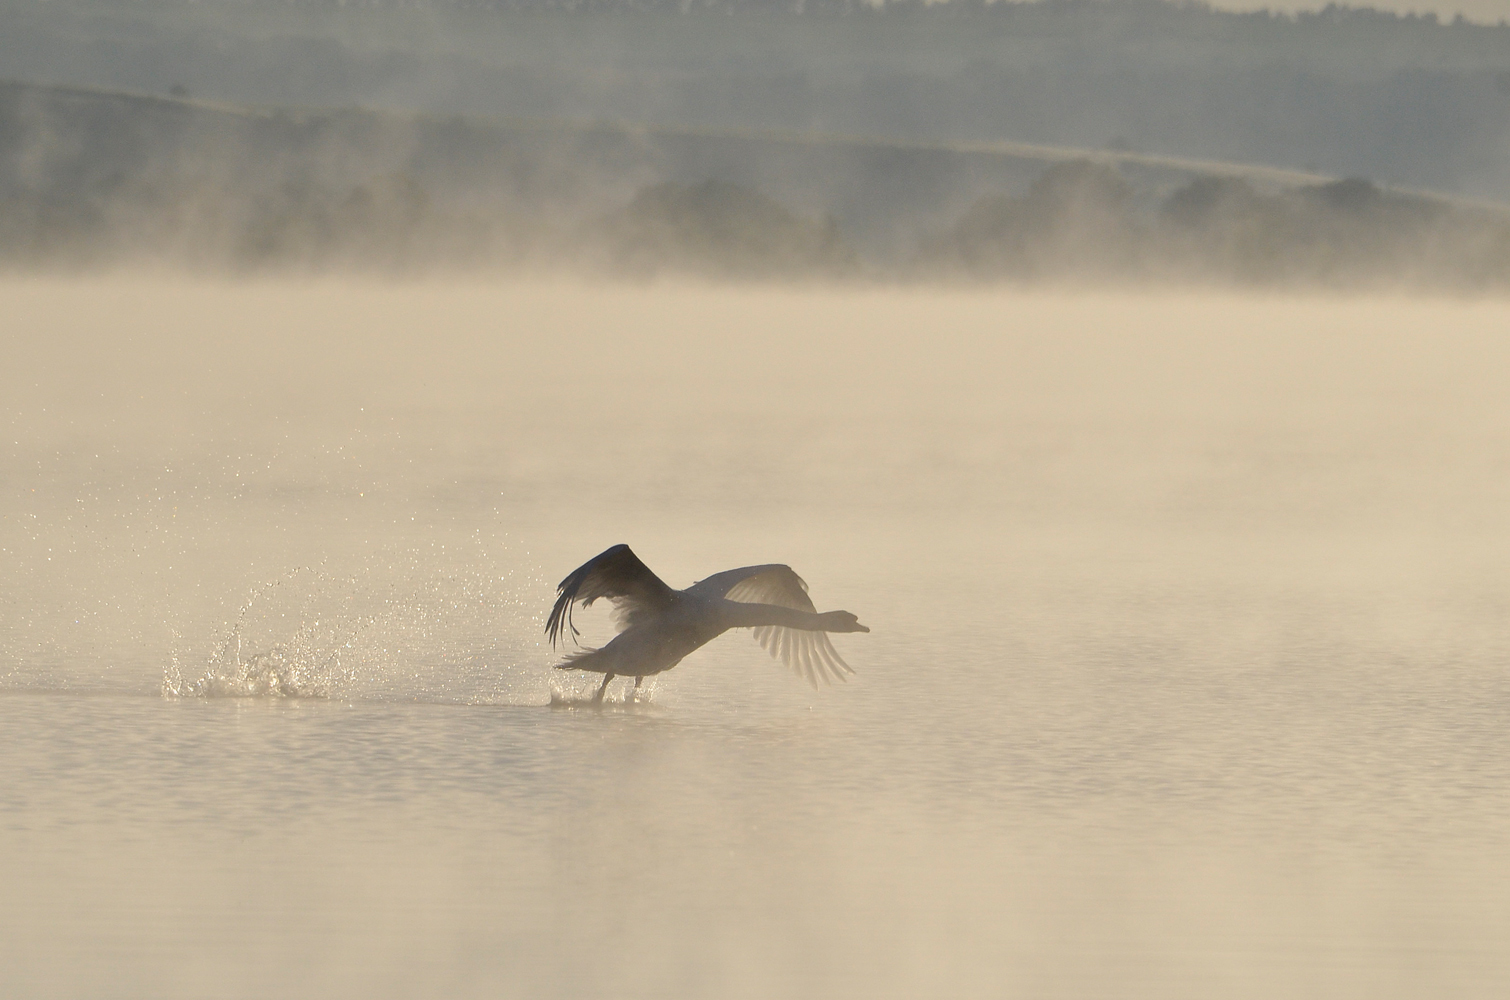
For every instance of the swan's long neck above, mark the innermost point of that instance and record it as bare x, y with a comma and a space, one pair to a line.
742, 615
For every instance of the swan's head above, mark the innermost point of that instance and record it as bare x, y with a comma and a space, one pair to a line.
842, 621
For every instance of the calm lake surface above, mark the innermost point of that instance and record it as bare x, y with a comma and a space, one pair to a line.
1189, 674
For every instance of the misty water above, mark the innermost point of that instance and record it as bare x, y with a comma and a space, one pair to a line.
1187, 675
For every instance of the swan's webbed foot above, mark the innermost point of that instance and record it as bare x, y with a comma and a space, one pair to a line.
597, 699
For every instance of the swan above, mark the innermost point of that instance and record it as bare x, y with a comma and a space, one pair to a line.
659, 625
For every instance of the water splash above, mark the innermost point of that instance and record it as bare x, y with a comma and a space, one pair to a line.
308, 665
408, 627
573, 689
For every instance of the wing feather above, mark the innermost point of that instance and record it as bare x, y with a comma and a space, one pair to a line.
616, 574
809, 654
805, 652
772, 583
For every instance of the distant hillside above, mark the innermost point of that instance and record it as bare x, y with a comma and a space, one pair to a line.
1080, 221
95, 179
1405, 101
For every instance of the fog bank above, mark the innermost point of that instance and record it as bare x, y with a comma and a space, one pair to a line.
93, 180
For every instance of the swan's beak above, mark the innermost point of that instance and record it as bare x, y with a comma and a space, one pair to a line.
860, 628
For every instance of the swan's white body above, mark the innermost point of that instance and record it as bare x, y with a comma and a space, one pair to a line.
661, 625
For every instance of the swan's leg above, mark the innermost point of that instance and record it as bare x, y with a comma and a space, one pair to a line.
597, 699
637, 679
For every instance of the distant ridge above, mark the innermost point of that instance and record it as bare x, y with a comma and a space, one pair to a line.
1411, 101
94, 177
1034, 152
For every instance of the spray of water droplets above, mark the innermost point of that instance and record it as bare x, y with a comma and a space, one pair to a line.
409, 626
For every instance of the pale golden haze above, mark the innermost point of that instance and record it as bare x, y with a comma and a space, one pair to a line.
1135, 371
1187, 676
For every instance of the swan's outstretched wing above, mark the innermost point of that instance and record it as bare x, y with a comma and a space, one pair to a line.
616, 574
808, 653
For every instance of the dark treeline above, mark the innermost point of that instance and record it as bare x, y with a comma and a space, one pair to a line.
1152, 13
92, 180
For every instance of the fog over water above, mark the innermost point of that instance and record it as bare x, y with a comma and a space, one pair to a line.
1134, 370
1131, 142
1187, 676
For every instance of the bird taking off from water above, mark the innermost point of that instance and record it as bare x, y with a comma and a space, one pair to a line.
659, 625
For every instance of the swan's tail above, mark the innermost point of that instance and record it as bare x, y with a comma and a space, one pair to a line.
585, 659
